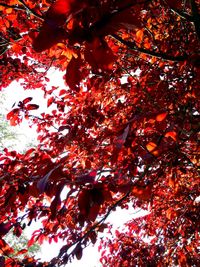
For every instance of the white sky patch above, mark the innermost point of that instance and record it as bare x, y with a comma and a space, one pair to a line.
14, 93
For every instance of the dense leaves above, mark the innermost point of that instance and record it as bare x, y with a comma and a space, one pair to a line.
123, 133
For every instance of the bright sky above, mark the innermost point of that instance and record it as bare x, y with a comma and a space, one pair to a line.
15, 93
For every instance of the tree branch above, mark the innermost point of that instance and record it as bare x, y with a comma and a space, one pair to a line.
181, 14
133, 46
23, 8
30, 10
12, 6
196, 17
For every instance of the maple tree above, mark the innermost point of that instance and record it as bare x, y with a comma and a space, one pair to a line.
123, 132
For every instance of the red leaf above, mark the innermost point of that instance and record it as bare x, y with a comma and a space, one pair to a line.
48, 37
122, 138
22, 251
31, 241
50, 101
152, 148
62, 92
59, 11
64, 127
173, 135
88, 178
161, 116
99, 55
55, 238
12, 113
51, 32
84, 202
5, 228
41, 239
93, 237
74, 74
26, 100
174, 4
94, 211
18, 230
42, 183
139, 36
32, 107
29, 152
78, 251
13, 116
55, 204
5, 248
2, 261
55, 173
143, 193
122, 20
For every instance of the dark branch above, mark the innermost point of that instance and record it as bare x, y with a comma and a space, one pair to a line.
30, 10
131, 45
196, 17
181, 14
24, 8
12, 6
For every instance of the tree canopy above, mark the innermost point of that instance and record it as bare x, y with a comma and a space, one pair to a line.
123, 132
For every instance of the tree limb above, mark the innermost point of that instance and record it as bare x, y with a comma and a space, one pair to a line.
12, 6
196, 17
133, 46
181, 14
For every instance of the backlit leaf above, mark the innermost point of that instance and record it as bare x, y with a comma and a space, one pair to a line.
5, 248
22, 251
172, 134
78, 251
5, 228
26, 100
151, 146
74, 74
139, 36
2, 261
143, 193
88, 178
122, 138
32, 106
161, 116
99, 55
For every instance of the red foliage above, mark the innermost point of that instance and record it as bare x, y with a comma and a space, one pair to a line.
122, 133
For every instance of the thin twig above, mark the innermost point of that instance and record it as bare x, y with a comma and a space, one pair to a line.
31, 11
